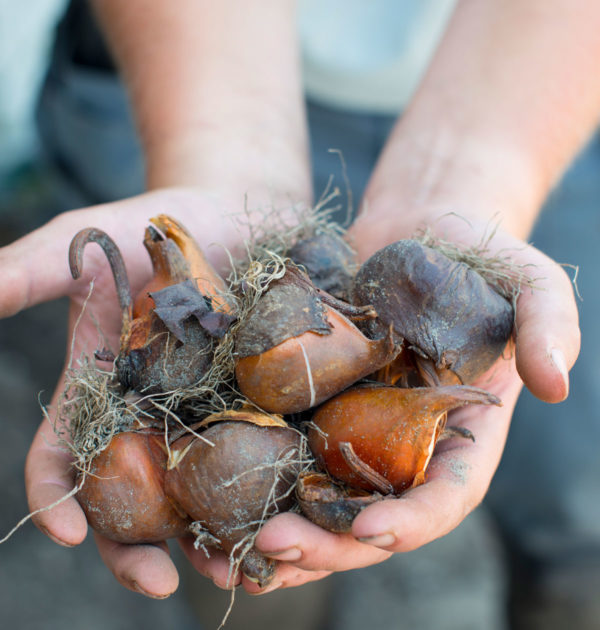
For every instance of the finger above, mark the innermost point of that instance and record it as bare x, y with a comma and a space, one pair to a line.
458, 477
49, 468
145, 569
547, 330
291, 538
286, 576
49, 478
35, 268
211, 563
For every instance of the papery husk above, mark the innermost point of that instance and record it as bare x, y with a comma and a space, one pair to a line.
331, 505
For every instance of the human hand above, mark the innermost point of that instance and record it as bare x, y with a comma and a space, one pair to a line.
546, 344
36, 269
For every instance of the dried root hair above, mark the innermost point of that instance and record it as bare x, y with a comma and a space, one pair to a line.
498, 269
280, 229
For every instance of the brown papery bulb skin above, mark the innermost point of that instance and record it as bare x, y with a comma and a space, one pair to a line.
209, 282
123, 497
156, 362
392, 430
328, 504
442, 308
306, 370
234, 484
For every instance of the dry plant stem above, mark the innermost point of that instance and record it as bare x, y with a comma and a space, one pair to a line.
115, 259
363, 470
351, 311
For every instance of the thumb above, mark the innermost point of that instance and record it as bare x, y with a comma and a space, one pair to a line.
547, 327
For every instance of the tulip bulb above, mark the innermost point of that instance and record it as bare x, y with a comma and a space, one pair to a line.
233, 481
123, 494
382, 438
296, 350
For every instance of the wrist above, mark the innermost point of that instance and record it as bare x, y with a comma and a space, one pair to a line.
251, 161
437, 179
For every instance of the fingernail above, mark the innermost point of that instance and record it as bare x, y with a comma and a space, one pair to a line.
383, 540
138, 589
285, 555
558, 358
268, 589
53, 538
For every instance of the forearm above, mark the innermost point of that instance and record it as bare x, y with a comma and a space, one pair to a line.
509, 98
215, 91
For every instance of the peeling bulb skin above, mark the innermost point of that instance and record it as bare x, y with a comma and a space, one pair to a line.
209, 282
168, 266
157, 362
289, 308
308, 369
236, 484
443, 308
329, 505
392, 431
123, 495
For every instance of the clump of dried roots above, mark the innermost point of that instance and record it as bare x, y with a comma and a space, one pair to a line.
279, 230
498, 269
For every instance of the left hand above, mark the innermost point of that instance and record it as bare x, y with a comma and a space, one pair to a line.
547, 344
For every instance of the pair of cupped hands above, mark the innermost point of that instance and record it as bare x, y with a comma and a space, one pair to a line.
546, 345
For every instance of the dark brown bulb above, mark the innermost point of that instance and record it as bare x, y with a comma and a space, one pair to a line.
444, 309
329, 262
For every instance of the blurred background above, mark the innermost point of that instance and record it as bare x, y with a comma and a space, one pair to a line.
457, 583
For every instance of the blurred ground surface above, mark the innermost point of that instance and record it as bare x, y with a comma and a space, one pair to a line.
455, 583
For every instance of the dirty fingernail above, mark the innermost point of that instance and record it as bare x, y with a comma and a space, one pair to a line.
268, 589
138, 589
382, 540
53, 538
285, 555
